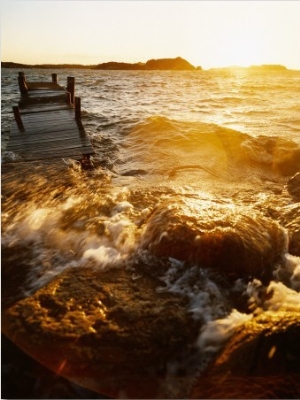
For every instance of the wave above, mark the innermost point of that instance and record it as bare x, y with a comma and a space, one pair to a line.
170, 147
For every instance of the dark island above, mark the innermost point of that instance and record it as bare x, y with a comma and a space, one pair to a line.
166, 64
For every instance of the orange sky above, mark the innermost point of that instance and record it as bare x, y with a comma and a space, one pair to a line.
206, 33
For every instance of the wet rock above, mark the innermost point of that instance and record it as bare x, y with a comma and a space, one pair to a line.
294, 245
293, 187
15, 265
218, 236
106, 331
290, 218
260, 361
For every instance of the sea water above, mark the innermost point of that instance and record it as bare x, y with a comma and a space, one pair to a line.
221, 142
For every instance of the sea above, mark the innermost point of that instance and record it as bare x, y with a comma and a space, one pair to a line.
209, 151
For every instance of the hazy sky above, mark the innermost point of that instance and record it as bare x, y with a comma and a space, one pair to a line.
206, 33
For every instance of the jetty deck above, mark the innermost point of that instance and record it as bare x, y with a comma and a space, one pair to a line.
47, 122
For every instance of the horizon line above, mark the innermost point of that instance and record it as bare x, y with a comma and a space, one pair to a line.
143, 63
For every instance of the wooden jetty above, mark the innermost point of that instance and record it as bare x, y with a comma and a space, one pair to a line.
47, 122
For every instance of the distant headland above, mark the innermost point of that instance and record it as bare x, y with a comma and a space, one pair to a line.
255, 68
161, 64
166, 64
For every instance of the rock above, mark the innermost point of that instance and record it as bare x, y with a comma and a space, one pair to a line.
293, 187
106, 331
294, 243
260, 361
216, 236
289, 217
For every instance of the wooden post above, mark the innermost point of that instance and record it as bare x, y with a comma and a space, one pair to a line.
71, 87
54, 78
78, 109
22, 83
78, 116
68, 98
18, 119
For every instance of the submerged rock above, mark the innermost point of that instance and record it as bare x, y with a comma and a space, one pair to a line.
261, 361
219, 236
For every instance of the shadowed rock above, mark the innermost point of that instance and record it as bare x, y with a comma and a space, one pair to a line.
261, 361
293, 187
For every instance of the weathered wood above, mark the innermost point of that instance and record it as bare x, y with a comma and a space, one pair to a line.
54, 78
48, 124
78, 108
69, 98
44, 85
39, 96
44, 138
18, 119
71, 87
71, 153
32, 108
22, 83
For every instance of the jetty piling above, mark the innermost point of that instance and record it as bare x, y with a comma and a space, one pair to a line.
54, 78
71, 87
22, 83
18, 118
78, 109
47, 122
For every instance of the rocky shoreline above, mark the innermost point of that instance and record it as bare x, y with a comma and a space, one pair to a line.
112, 331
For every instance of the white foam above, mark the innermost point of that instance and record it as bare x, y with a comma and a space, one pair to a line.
10, 156
289, 271
215, 333
293, 265
103, 255
56, 246
206, 300
122, 206
276, 297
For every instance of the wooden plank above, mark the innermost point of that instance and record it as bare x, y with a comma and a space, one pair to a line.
49, 122
46, 137
72, 153
52, 150
43, 85
51, 143
29, 121
44, 108
43, 97
37, 126
47, 118
59, 112
41, 146
54, 145
42, 93
55, 129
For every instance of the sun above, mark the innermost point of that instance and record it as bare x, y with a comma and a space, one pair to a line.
241, 49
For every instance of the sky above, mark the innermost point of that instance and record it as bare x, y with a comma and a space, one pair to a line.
206, 33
